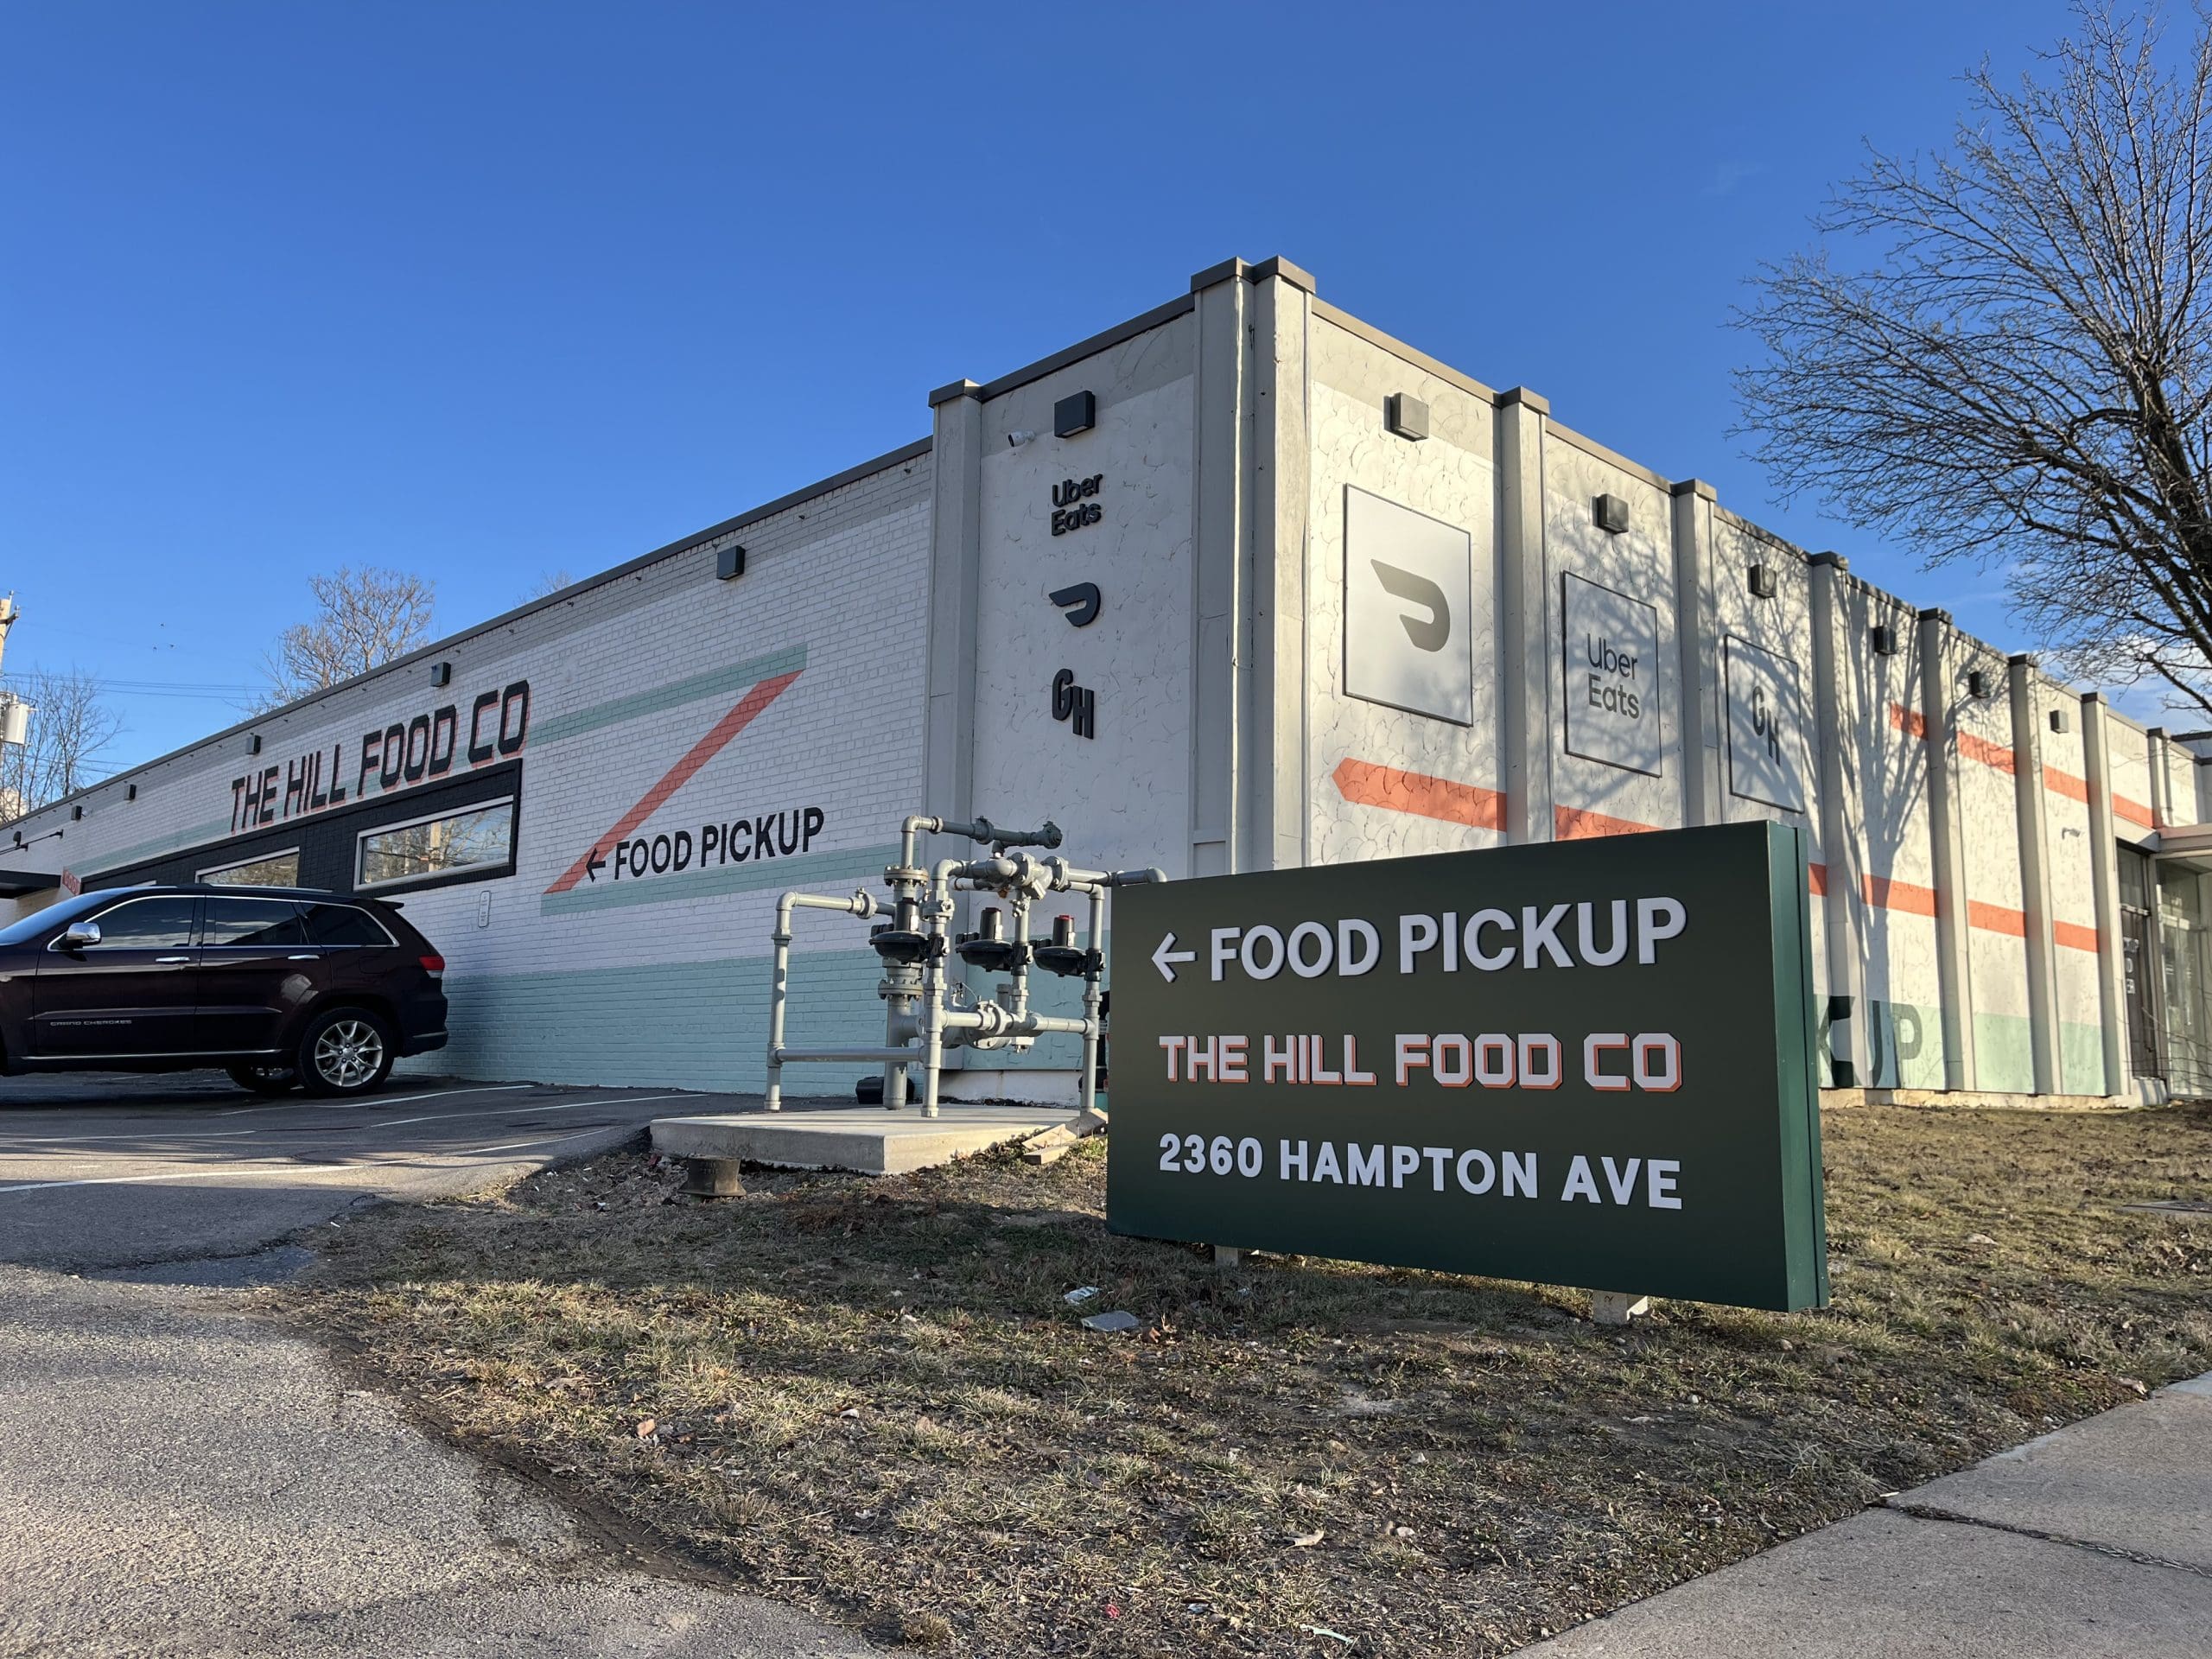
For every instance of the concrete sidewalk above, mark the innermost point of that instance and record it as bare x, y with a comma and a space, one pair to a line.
2094, 1541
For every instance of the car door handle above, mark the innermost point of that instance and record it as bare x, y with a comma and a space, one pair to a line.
172, 959
310, 956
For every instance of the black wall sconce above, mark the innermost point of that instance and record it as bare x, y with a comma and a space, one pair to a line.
729, 562
131, 793
1406, 416
1764, 586
1977, 684
77, 812
1611, 514
1072, 415
1885, 639
2058, 720
441, 673
253, 744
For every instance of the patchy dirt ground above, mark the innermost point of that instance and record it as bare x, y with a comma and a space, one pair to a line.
871, 1397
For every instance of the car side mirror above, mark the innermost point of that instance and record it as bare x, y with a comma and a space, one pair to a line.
80, 935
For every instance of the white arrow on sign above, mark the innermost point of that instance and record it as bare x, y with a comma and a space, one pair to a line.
1167, 954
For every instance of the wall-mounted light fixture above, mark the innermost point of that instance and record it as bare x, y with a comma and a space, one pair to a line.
253, 744
1406, 416
77, 812
1611, 514
131, 793
1074, 414
2058, 722
1885, 639
1764, 585
729, 562
1977, 684
441, 673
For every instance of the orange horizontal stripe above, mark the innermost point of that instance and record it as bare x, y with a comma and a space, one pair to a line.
2133, 811
1911, 721
1995, 918
1900, 895
2066, 784
1990, 754
1816, 877
1366, 784
1573, 823
2075, 936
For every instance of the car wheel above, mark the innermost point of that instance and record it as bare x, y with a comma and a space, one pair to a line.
345, 1051
265, 1079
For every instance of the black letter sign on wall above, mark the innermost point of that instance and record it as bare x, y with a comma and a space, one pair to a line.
1588, 1062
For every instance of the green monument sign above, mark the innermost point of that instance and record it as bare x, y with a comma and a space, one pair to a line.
1589, 1063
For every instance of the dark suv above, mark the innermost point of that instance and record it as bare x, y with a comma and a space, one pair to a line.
282, 987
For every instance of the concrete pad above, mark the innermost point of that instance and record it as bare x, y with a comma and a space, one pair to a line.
867, 1139
1884, 1583
2138, 1478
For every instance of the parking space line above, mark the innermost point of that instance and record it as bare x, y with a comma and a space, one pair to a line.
517, 1145
243, 1170
559, 1106
395, 1100
163, 1134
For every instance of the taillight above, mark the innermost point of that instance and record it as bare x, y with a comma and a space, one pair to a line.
434, 965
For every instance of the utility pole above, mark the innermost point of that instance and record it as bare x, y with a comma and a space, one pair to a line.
15, 713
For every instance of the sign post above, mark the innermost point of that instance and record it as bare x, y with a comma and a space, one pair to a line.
1585, 1062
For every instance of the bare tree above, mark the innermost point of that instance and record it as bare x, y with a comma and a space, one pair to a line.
364, 619
549, 582
2018, 373
70, 724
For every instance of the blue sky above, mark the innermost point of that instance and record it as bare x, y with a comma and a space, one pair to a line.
487, 292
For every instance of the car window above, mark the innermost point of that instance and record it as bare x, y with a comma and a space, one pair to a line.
262, 922
161, 923
54, 916
343, 924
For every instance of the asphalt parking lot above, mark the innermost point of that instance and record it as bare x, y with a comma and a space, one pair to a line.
187, 1475
103, 1171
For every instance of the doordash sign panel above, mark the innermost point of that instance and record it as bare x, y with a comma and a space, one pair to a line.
1409, 637
1584, 1063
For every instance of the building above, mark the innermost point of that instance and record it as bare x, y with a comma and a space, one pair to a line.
1241, 583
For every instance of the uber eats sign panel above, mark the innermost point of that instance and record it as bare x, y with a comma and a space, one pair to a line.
1589, 1063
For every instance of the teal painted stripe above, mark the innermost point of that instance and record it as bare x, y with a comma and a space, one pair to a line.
2004, 1058
734, 677
807, 868
2081, 1058
198, 835
678, 1024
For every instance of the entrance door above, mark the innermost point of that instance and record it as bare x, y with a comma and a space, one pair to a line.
2138, 965
133, 992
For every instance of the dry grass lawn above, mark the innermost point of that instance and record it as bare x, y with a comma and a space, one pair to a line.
870, 1396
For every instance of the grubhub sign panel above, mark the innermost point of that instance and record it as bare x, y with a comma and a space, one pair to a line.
1588, 1062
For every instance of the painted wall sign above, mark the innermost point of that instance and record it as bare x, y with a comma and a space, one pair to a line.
1584, 1063
407, 751
1611, 655
1770, 743
1074, 503
1076, 704
1408, 610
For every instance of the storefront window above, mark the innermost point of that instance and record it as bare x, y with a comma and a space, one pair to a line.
482, 835
2185, 961
272, 870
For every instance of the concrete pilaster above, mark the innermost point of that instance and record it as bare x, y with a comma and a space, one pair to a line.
1939, 699
956, 560
2104, 885
2035, 874
1220, 637
1274, 803
1842, 906
1524, 627
2161, 803
1697, 634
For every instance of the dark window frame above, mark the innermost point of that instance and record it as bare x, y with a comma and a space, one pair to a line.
485, 872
